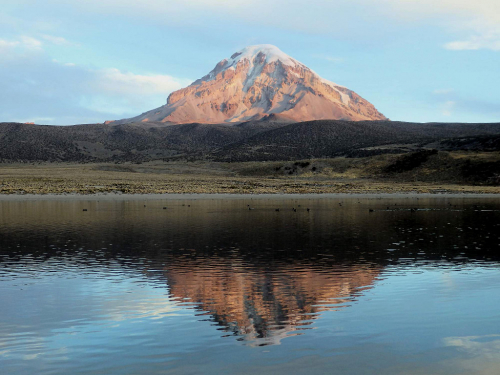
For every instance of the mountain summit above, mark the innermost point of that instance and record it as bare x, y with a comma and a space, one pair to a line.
256, 82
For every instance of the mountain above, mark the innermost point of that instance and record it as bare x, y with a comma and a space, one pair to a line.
254, 83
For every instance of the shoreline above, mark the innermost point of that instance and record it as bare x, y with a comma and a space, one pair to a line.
228, 196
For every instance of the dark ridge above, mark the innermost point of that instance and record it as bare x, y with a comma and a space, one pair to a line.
272, 138
328, 138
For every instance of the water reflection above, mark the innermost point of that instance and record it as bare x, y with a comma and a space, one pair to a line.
133, 273
265, 303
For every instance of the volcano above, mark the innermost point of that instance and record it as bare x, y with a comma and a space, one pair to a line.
258, 82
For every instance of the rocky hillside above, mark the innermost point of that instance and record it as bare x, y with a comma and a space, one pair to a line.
269, 139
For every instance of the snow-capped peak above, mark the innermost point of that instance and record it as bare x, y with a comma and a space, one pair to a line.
271, 52
256, 82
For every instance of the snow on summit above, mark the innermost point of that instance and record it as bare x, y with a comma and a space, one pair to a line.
271, 52
256, 82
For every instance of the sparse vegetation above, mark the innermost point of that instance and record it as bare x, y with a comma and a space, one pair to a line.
258, 157
252, 141
441, 171
410, 161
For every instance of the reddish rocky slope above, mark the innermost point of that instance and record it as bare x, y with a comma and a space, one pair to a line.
256, 82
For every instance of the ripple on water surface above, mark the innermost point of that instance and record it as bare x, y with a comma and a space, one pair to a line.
362, 285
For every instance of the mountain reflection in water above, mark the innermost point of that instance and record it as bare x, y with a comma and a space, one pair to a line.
257, 275
268, 303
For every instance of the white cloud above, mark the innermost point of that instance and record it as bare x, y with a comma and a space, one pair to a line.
5, 44
25, 42
43, 90
475, 22
124, 93
58, 40
478, 355
447, 108
479, 19
487, 346
31, 43
476, 42
115, 81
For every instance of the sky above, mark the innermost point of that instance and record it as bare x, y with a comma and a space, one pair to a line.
69, 62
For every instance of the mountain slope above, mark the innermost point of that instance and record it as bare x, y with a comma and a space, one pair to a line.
327, 138
255, 140
256, 82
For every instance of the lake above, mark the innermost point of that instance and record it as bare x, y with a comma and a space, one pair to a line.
285, 285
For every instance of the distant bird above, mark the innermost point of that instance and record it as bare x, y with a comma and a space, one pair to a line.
250, 208
84, 209
340, 204
144, 205
370, 210
277, 210
413, 209
308, 209
294, 209
164, 208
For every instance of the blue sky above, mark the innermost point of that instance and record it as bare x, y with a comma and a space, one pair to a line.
70, 61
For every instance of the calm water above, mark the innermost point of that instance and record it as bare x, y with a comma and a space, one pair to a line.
213, 287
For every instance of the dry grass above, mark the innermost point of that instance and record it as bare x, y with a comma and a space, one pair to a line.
339, 175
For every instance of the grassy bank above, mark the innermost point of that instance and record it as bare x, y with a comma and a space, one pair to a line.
427, 172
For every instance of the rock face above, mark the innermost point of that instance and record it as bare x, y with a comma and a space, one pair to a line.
256, 82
